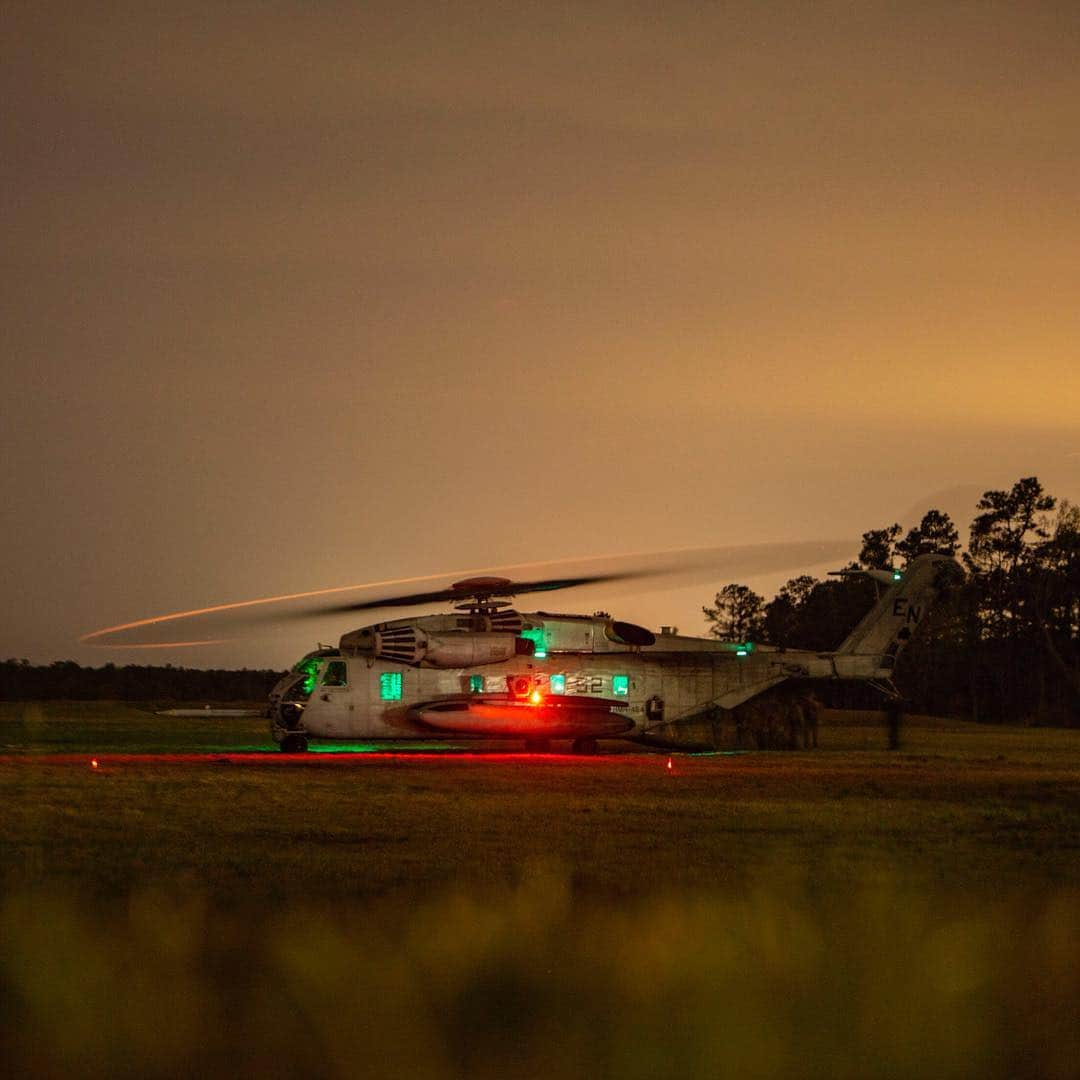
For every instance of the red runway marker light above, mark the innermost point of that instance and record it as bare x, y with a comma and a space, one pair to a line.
670, 765
93, 763
536, 697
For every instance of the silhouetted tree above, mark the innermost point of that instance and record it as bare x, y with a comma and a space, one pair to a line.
66, 680
1057, 598
1002, 644
783, 614
935, 533
738, 614
877, 547
811, 614
1003, 555
832, 610
1012, 522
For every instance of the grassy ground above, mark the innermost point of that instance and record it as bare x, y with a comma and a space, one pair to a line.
848, 911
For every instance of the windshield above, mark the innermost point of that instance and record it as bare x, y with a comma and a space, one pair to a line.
309, 665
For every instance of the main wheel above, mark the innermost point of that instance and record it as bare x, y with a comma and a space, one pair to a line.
293, 744
583, 746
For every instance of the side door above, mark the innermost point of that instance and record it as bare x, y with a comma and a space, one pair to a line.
335, 698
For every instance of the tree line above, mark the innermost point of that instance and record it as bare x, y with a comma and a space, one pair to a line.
1002, 645
65, 680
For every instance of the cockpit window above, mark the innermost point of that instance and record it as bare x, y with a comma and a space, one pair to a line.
310, 661
309, 668
335, 674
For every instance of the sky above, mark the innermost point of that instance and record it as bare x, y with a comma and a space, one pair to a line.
302, 295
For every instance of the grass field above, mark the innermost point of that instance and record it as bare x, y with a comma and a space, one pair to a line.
843, 912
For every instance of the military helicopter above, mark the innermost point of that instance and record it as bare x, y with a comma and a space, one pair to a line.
484, 670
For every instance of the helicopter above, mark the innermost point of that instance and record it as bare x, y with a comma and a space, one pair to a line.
484, 670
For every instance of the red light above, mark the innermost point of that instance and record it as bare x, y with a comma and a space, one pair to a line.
670, 765
521, 686
536, 697
93, 763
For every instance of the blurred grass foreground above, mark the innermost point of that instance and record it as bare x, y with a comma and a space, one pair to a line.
843, 912
528, 982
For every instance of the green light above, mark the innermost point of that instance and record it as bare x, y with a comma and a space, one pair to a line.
897, 576
476, 684
390, 686
741, 649
558, 684
536, 636
310, 670
620, 685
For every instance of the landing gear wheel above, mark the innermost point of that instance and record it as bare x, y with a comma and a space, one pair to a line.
583, 746
537, 746
293, 744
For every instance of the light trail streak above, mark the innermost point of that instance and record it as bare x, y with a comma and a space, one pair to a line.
236, 605
157, 644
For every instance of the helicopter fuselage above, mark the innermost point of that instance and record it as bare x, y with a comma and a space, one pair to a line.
489, 671
575, 679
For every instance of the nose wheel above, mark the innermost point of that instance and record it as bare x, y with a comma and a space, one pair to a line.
293, 744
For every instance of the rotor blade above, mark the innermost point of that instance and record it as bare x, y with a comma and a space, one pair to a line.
681, 566
674, 568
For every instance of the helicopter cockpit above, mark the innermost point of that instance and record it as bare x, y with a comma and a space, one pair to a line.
290, 694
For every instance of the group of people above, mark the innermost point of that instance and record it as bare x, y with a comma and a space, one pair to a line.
778, 721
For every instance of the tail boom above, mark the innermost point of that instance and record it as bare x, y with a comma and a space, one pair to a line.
871, 649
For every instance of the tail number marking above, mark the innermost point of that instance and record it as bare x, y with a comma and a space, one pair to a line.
906, 611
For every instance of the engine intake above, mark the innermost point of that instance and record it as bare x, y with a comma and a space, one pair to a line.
419, 648
626, 633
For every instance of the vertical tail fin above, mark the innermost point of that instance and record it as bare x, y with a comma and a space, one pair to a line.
888, 626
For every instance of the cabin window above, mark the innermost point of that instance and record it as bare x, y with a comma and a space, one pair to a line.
390, 686
620, 685
536, 636
335, 674
558, 684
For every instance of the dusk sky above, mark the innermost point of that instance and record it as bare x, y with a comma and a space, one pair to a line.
301, 295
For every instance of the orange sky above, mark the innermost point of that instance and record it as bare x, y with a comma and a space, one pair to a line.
298, 295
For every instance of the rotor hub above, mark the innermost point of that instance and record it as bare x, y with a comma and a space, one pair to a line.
483, 595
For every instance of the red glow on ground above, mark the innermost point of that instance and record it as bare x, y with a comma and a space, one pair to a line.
322, 758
